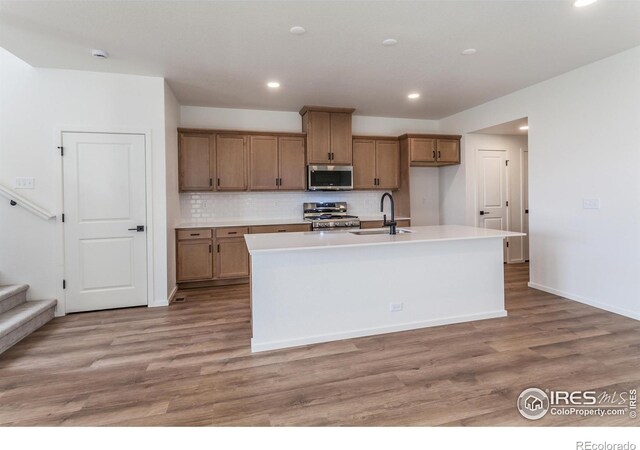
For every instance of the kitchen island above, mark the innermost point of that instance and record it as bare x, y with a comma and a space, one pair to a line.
323, 286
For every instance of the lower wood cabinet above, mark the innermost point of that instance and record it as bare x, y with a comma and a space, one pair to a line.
206, 254
194, 260
232, 258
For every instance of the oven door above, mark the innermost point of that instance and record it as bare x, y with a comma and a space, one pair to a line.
330, 178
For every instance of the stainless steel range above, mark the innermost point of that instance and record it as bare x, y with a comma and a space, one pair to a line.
329, 216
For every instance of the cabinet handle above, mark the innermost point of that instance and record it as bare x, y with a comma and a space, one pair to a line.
194, 234
232, 232
333, 156
209, 248
276, 182
218, 182
282, 231
433, 154
280, 181
210, 182
218, 248
438, 154
329, 156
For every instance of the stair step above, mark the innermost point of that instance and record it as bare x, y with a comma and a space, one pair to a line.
12, 295
23, 320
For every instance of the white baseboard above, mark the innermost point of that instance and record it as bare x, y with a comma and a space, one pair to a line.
586, 301
172, 295
274, 345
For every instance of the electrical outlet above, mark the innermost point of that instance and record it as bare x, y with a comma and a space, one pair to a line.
395, 307
590, 203
24, 182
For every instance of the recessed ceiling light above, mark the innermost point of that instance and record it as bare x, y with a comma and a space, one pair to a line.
389, 42
273, 84
581, 3
524, 127
413, 95
99, 53
469, 51
297, 30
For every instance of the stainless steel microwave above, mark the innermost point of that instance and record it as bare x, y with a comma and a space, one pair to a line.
330, 178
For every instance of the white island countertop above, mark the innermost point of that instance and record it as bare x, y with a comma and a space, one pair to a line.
279, 242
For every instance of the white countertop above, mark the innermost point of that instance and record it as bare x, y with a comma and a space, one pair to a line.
240, 223
313, 240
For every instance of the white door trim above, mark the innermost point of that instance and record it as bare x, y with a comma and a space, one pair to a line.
59, 251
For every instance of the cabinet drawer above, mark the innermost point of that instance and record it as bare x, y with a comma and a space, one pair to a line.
291, 228
196, 233
365, 224
231, 232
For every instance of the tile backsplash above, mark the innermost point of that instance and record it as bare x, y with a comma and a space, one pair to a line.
202, 207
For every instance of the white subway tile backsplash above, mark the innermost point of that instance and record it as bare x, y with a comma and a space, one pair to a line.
204, 207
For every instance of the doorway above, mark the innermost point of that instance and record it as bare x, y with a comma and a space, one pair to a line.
501, 184
104, 195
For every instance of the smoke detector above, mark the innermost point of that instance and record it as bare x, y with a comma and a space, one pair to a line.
99, 53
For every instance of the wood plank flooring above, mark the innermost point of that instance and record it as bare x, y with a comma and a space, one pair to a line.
190, 364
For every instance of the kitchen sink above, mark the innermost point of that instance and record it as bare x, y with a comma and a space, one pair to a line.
385, 231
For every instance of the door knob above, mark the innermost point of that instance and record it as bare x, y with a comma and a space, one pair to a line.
138, 228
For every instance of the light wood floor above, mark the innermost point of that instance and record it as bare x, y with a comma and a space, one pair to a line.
190, 364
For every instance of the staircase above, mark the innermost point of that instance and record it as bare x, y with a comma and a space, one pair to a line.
18, 317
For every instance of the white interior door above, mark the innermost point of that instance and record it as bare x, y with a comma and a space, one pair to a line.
525, 204
492, 191
104, 207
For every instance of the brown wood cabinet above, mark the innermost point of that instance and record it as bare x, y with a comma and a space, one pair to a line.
196, 161
291, 228
365, 224
328, 134
232, 258
432, 150
263, 163
276, 163
376, 163
194, 255
231, 156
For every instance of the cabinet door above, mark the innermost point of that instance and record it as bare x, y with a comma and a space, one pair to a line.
341, 150
388, 164
195, 260
263, 163
232, 258
195, 162
422, 149
318, 137
448, 151
364, 164
230, 159
291, 163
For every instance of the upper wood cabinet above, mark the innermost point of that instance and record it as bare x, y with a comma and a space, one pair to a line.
231, 157
263, 162
276, 163
196, 162
427, 150
376, 163
291, 163
328, 134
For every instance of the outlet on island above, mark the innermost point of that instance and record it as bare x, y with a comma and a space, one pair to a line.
395, 307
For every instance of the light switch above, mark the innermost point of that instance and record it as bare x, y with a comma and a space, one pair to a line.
24, 182
590, 203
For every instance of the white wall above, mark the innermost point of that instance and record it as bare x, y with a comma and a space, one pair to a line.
35, 104
513, 146
424, 181
584, 141
171, 123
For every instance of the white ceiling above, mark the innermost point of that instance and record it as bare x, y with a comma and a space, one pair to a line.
509, 128
222, 53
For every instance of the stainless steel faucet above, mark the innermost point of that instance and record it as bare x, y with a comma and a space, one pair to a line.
392, 224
